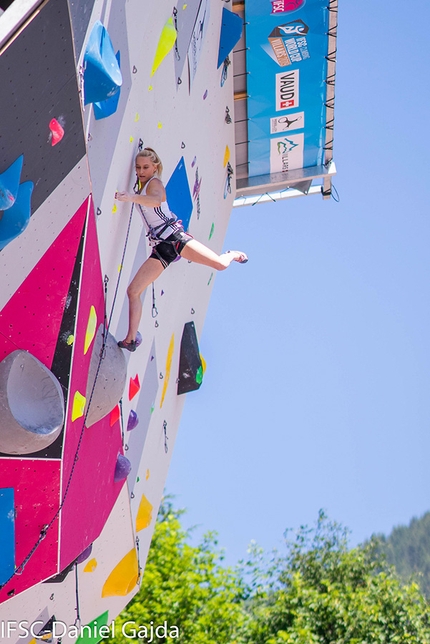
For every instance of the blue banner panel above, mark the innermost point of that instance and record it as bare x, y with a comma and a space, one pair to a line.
287, 45
7, 534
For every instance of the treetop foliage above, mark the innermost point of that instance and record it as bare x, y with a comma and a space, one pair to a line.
318, 591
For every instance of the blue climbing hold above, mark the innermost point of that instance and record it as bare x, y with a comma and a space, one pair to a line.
122, 468
103, 109
9, 183
16, 218
7, 534
231, 31
102, 75
179, 195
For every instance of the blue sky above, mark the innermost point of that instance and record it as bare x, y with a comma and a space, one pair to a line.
317, 389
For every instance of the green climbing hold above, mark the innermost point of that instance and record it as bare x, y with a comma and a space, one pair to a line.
212, 231
199, 376
210, 279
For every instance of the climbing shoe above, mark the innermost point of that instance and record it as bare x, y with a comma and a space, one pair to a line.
130, 346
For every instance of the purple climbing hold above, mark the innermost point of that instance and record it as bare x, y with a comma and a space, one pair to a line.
133, 421
138, 339
85, 554
122, 468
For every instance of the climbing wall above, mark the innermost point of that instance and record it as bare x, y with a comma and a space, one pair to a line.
87, 432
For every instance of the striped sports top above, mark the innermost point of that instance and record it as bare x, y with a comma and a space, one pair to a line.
160, 222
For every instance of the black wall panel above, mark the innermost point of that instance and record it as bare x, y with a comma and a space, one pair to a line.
38, 83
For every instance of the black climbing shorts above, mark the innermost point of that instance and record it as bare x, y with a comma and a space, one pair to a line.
170, 249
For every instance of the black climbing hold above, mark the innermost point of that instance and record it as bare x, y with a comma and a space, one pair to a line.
190, 363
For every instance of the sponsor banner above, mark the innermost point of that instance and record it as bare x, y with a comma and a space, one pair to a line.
287, 123
287, 45
286, 153
287, 90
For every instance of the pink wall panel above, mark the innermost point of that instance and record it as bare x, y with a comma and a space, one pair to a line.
37, 490
92, 493
31, 319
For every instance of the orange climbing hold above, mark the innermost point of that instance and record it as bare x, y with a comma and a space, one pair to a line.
91, 565
144, 514
134, 387
123, 577
114, 415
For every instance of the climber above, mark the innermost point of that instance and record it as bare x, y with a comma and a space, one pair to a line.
166, 236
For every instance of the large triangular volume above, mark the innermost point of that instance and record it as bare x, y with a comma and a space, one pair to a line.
231, 31
190, 363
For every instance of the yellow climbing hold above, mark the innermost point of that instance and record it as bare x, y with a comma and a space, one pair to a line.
148, 473
123, 577
165, 44
184, 6
203, 363
144, 514
168, 367
137, 117
131, 139
70, 340
78, 406
150, 88
160, 125
119, 268
226, 155
91, 565
114, 208
91, 329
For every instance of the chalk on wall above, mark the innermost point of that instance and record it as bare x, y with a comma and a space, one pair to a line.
103, 109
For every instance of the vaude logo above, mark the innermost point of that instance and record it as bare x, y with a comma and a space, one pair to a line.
286, 6
287, 90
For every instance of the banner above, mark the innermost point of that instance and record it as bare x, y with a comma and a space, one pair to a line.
287, 45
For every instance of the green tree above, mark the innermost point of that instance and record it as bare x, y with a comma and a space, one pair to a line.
321, 592
185, 586
408, 549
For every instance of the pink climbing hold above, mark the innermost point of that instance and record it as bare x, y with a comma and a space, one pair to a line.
57, 131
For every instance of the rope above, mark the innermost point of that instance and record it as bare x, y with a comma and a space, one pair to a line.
77, 621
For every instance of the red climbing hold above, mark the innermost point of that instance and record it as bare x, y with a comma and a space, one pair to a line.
114, 415
134, 387
57, 131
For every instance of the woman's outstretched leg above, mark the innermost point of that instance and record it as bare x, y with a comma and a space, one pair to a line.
147, 273
197, 252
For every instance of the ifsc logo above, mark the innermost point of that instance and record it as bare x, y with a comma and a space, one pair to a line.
286, 6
